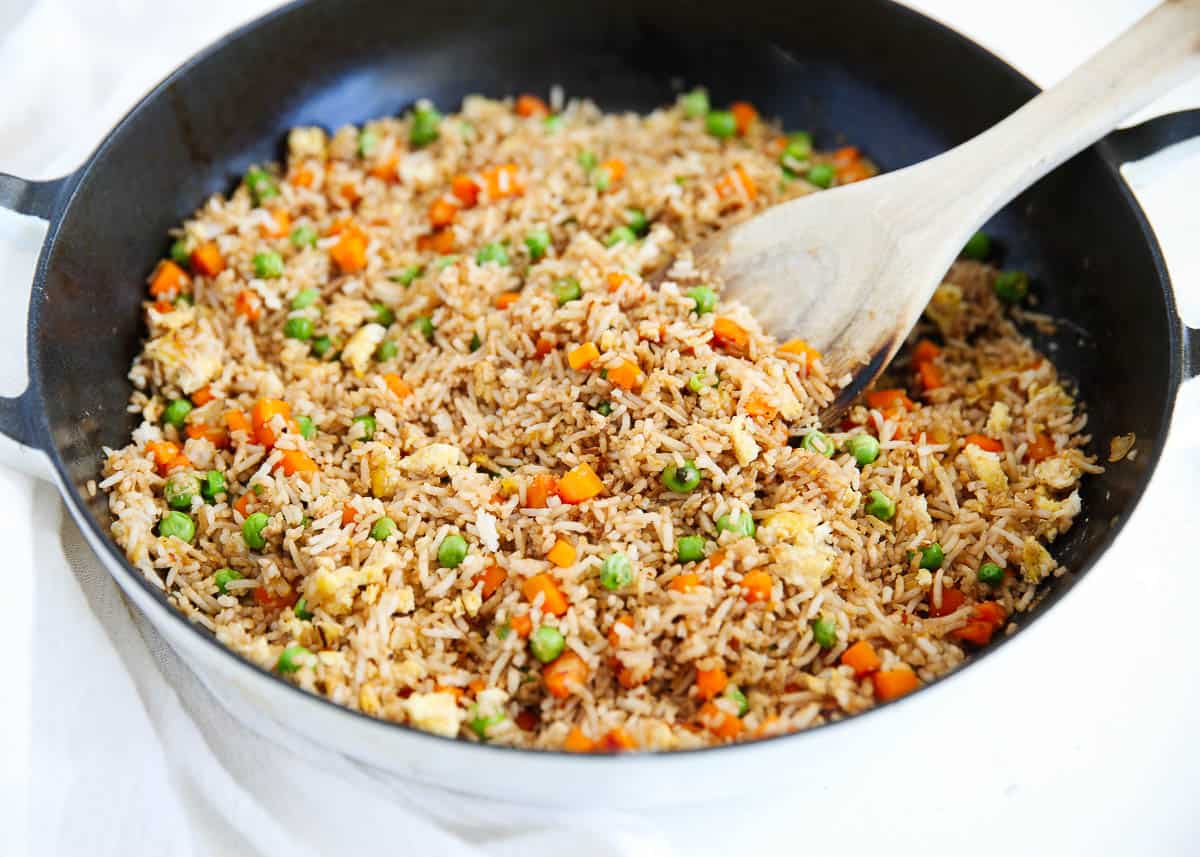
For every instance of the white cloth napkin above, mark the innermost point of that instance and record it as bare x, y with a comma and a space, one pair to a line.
1078, 738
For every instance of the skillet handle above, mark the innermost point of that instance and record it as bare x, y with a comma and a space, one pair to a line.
42, 200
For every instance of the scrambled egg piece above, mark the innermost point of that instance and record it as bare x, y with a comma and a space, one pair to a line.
384, 476
999, 419
435, 712
744, 445
1036, 561
803, 551
437, 458
1059, 472
945, 307
361, 348
987, 468
189, 355
306, 142
335, 589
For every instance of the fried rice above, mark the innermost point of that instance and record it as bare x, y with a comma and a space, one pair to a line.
417, 434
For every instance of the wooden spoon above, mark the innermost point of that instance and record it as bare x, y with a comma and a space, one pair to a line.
851, 269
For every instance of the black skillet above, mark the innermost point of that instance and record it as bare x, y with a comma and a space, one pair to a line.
899, 85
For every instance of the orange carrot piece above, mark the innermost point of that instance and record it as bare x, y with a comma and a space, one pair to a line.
167, 456
564, 675
711, 683
465, 190
684, 583
542, 488
506, 299
756, 586
553, 601
1041, 448
801, 348
615, 167
975, 631
562, 554
502, 181
349, 192
737, 182
441, 241
280, 225
248, 304
582, 356
984, 442
854, 172
522, 624
206, 259
758, 405
729, 335
243, 504
302, 177
236, 421
387, 170
861, 658
442, 212
952, 599
491, 578
989, 611
627, 375
924, 351
744, 115
891, 684
397, 385
629, 679
531, 105
260, 416
295, 461
577, 742
213, 434
614, 637
168, 279
162, 306
350, 252
888, 400
274, 600
616, 740
616, 279
931, 376
349, 514
202, 396
718, 721
579, 483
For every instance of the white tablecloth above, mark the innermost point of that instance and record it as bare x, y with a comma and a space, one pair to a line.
1078, 739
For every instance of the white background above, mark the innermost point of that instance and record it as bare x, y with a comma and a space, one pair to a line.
1079, 738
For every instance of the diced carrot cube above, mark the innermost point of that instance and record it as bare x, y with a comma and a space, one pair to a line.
350, 252
280, 225
614, 636
564, 675
891, 684
465, 189
543, 487
984, 442
262, 413
531, 105
302, 177
168, 279
758, 405
553, 601
349, 514
627, 375
237, 421
583, 356
207, 259
729, 335
861, 658
562, 554
925, 351
952, 599
579, 483
711, 683
577, 742
616, 279
718, 721
802, 349
889, 400
756, 586
387, 170
442, 212
684, 583
931, 376
491, 578
248, 304
522, 624
502, 181
213, 434
202, 396
616, 740
295, 461
506, 299
1042, 448
397, 385
744, 115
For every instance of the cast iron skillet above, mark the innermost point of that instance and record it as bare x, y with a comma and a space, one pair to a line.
899, 85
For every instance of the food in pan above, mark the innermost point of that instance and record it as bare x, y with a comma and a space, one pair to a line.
419, 436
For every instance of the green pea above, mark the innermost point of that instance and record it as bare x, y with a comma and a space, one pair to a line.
452, 551
616, 572
742, 525
553, 123
301, 610
304, 235
268, 265
546, 643
735, 695
179, 525
261, 184
604, 409
212, 484
176, 413
305, 298
601, 178
588, 161
298, 327
620, 235
367, 421
441, 263
820, 175
386, 350
224, 577
690, 549
932, 557
252, 529
797, 151
180, 254
990, 573
423, 327
704, 298
880, 505
321, 345
538, 242
480, 724
1011, 286
406, 277
818, 442
476, 343
864, 448
721, 124
291, 659
494, 252
567, 290
179, 490
424, 129
368, 142
636, 220
308, 429
700, 381
681, 480
825, 631
694, 103
978, 246
383, 529
382, 314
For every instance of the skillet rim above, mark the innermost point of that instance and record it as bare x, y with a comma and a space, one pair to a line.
34, 396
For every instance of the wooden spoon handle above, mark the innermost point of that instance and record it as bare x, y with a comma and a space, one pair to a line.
1158, 52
